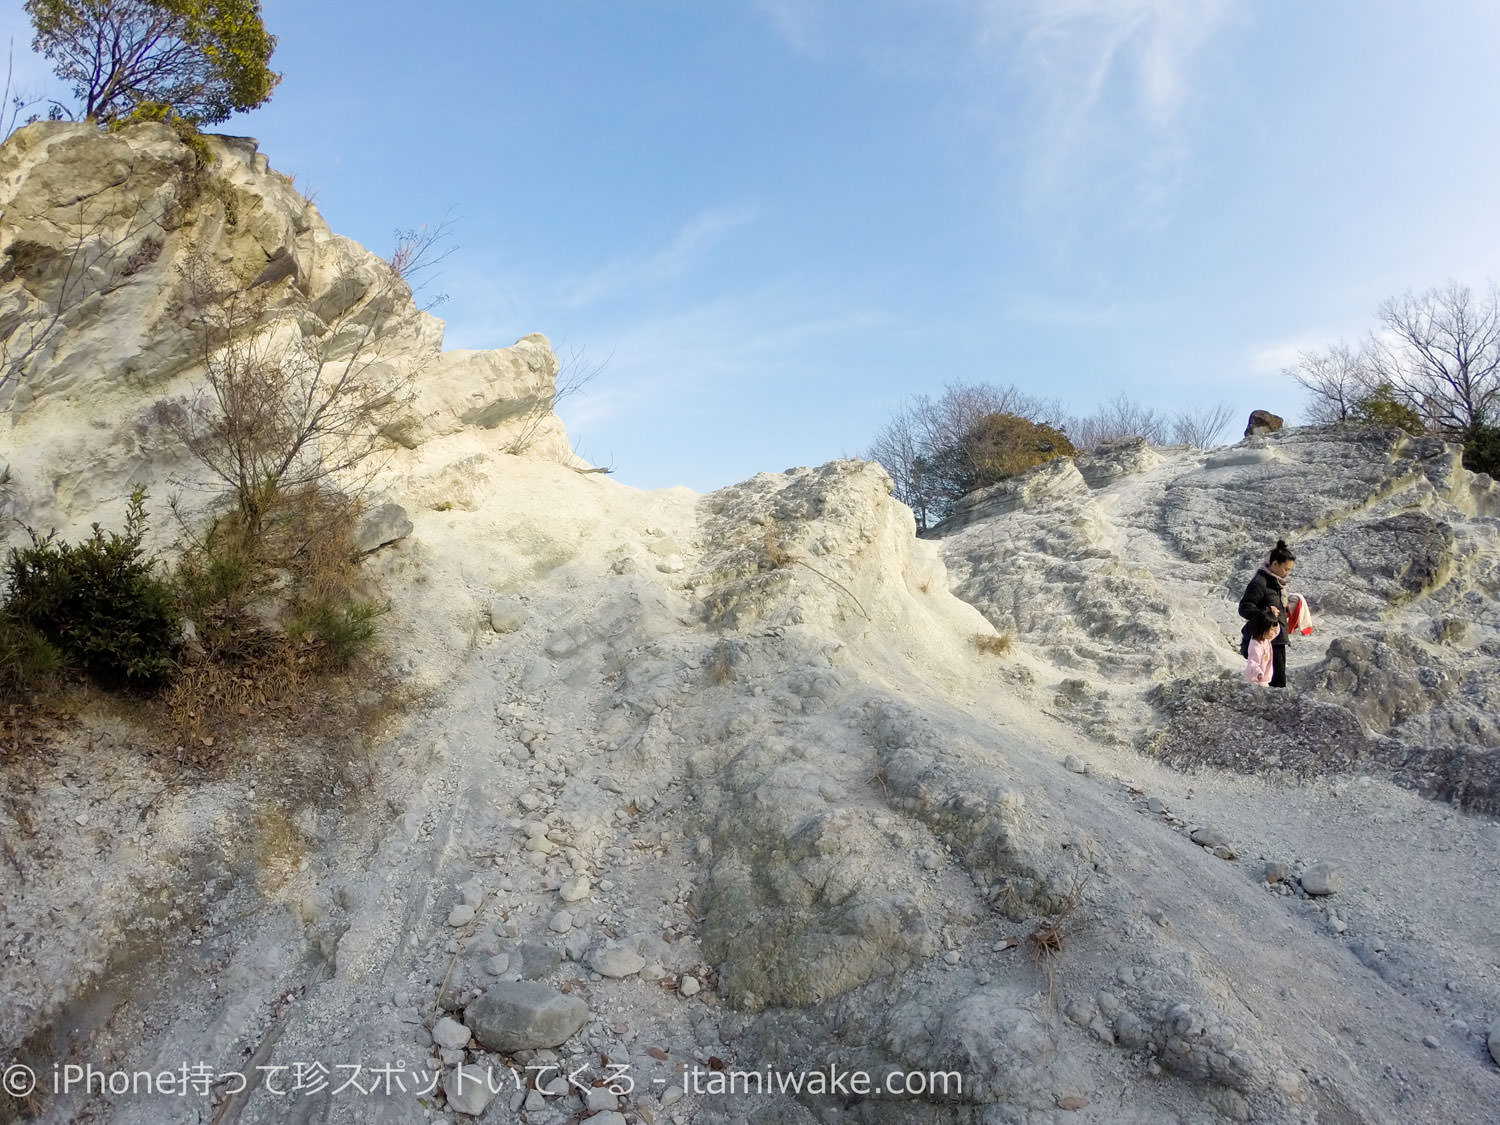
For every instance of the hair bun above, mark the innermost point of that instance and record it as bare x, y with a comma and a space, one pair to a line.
1281, 543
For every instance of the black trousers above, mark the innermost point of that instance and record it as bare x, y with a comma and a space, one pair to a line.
1278, 665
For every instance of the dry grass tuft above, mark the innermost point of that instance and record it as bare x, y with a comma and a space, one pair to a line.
1051, 933
993, 644
721, 663
774, 554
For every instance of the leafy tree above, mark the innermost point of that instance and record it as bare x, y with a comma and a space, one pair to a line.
201, 59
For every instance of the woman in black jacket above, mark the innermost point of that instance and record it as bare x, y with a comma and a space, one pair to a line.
1266, 595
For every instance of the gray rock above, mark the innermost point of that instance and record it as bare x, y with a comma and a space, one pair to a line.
575, 889
1276, 872
533, 960
601, 1098
382, 526
524, 1014
1494, 1041
1263, 422
1208, 837
450, 1033
468, 1089
280, 264
1074, 764
1322, 878
506, 614
561, 644
576, 945
1113, 460
616, 961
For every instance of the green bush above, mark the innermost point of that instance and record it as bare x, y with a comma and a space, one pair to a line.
99, 603
1482, 449
27, 660
341, 630
1382, 409
1005, 445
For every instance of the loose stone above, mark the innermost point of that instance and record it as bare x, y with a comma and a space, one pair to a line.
1322, 879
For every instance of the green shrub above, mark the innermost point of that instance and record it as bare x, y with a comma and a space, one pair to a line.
1005, 445
27, 660
99, 603
1382, 409
1482, 449
340, 630
218, 573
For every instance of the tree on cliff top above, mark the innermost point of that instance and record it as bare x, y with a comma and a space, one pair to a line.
203, 59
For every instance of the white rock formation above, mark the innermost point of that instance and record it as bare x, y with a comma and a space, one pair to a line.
780, 765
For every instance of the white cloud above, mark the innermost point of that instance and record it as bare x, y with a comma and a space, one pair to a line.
1107, 82
672, 261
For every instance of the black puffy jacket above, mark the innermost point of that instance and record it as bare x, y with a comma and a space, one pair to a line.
1264, 591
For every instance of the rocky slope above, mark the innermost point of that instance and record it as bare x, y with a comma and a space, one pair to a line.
691, 798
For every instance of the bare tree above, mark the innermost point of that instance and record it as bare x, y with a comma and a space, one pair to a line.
1119, 418
1336, 381
419, 249
1440, 355
1200, 427
572, 377
285, 409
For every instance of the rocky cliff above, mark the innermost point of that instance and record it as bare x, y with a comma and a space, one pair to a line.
666, 803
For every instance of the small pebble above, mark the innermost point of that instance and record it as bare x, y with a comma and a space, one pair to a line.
689, 986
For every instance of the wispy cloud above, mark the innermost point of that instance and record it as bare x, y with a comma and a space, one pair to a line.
800, 23
1275, 357
1106, 82
675, 260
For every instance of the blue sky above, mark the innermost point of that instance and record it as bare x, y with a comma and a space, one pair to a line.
775, 219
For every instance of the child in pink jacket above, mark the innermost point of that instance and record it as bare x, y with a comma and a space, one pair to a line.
1258, 667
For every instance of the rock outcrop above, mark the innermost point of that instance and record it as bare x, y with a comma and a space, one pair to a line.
696, 807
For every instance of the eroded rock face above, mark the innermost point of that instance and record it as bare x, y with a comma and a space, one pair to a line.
727, 777
1138, 579
107, 241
